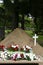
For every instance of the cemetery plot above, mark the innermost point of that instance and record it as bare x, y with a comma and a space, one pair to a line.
19, 46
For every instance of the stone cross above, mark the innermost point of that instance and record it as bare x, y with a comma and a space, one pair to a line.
35, 37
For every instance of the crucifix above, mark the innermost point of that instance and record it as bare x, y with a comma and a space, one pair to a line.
35, 37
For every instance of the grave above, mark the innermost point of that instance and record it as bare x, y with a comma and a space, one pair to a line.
19, 37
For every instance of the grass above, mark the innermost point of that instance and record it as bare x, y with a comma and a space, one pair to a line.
40, 37
40, 40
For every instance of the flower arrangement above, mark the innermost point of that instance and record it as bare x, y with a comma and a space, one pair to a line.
18, 53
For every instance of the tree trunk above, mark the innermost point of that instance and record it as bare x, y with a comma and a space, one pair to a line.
2, 33
15, 21
15, 15
36, 26
22, 22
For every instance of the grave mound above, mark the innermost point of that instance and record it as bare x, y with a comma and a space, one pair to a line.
20, 37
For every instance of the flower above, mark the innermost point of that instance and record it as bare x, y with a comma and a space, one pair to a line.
2, 47
21, 49
27, 48
22, 56
23, 53
14, 56
15, 47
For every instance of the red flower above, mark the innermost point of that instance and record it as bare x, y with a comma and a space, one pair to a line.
15, 49
27, 49
2, 47
21, 49
16, 56
22, 56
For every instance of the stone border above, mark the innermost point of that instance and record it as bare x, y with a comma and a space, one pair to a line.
20, 61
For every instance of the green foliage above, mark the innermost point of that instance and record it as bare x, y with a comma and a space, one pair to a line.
40, 37
7, 31
27, 18
9, 13
1, 23
38, 26
28, 58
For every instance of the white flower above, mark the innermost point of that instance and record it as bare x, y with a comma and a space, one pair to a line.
28, 47
13, 46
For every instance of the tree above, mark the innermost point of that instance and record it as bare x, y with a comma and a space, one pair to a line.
23, 10
2, 23
22, 7
35, 9
11, 10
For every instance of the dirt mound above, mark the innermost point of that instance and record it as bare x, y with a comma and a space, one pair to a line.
18, 36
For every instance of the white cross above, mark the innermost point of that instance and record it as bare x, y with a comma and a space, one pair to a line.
35, 37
